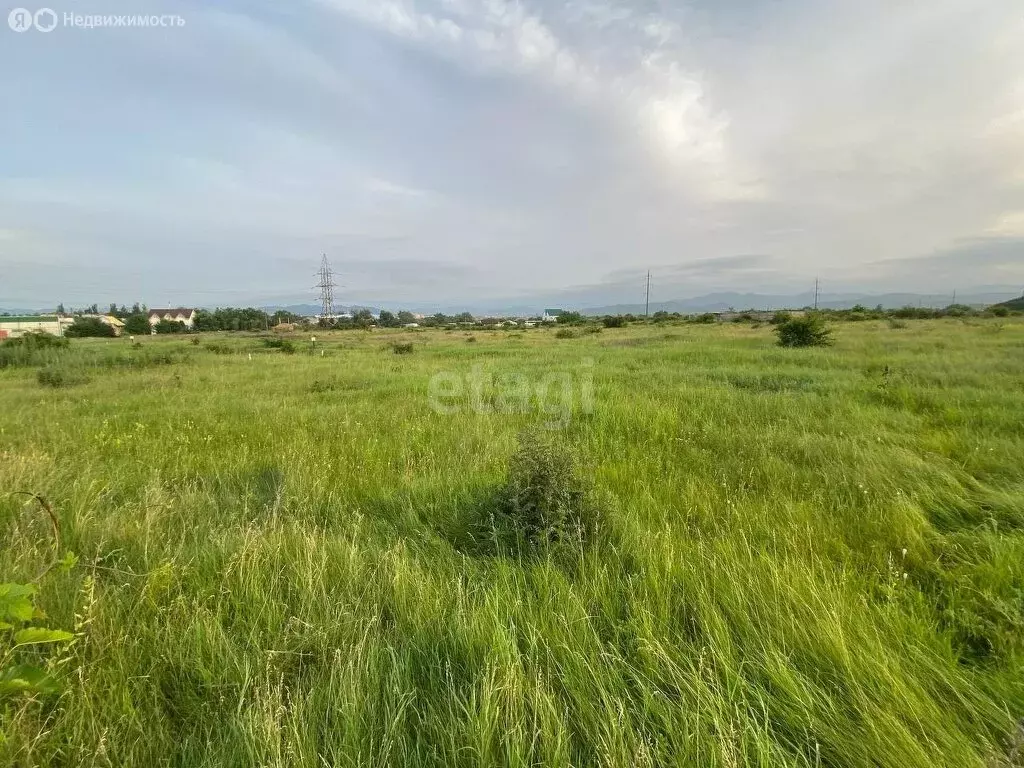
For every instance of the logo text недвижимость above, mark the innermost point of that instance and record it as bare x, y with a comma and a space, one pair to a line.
47, 20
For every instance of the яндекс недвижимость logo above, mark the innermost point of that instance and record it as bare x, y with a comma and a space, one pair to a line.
46, 20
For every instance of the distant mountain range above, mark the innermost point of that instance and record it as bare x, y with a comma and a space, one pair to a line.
722, 302
313, 310
711, 302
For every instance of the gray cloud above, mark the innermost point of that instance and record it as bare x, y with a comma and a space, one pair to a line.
453, 150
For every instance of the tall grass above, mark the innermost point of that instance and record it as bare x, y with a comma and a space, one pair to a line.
813, 558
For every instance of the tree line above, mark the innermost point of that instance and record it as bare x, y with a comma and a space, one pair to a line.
136, 318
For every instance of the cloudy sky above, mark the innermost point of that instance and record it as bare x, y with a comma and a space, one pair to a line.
450, 150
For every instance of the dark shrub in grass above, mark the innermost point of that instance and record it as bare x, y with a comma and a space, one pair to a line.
565, 333
59, 377
544, 501
402, 349
780, 317
170, 326
614, 321
807, 331
89, 327
286, 346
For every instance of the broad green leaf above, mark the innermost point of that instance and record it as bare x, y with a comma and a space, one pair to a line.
16, 590
34, 635
5, 625
19, 608
16, 601
24, 678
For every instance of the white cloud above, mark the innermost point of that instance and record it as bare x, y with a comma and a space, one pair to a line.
650, 88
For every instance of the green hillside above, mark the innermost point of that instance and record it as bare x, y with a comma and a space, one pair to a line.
1015, 304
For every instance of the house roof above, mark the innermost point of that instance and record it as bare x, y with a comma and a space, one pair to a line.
29, 319
175, 312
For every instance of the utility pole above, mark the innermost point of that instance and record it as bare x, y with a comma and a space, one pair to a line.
326, 286
815, 294
647, 304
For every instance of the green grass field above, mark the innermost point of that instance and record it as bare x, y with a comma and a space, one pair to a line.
808, 557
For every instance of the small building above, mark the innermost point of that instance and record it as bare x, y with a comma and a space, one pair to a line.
180, 315
14, 326
552, 315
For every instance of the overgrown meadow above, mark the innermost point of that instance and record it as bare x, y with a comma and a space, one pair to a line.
288, 553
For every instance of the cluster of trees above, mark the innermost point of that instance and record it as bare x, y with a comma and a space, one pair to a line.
238, 319
120, 312
89, 327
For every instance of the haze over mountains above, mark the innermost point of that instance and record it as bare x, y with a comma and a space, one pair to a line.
592, 303
710, 302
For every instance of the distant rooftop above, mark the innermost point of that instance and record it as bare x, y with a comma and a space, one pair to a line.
29, 319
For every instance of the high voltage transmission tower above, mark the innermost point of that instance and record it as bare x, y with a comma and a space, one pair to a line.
326, 286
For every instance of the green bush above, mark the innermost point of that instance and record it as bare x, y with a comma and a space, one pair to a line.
806, 331
544, 500
706, 319
615, 321
170, 326
137, 325
89, 327
60, 377
402, 349
286, 346
565, 333
571, 318
31, 349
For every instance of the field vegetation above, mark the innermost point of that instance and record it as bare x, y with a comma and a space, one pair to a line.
278, 552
